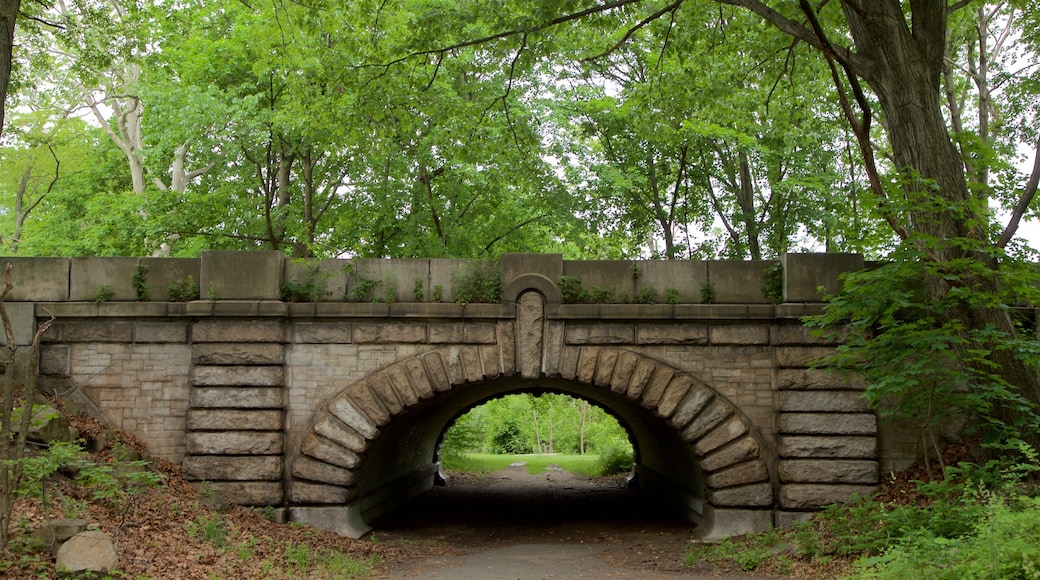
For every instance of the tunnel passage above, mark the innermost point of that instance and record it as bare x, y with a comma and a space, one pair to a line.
372, 446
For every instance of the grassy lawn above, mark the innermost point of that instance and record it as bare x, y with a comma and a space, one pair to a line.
588, 464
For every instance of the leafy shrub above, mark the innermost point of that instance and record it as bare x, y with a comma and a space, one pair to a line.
645, 296
140, 282
480, 282
773, 283
572, 291
103, 294
616, 459
510, 440
417, 290
184, 291
671, 296
707, 293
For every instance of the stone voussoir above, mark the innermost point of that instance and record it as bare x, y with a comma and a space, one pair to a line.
324, 450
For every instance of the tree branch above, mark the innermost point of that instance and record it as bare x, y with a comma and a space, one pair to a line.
635, 28
1023, 202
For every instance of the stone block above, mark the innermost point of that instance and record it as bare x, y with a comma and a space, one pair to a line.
235, 420
823, 402
91, 331
302, 492
828, 471
828, 423
817, 379
365, 400
233, 443
611, 276
722, 523
800, 357
684, 277
716, 412
801, 335
694, 403
322, 333
810, 496
351, 416
160, 332
218, 468
523, 271
55, 360
334, 430
229, 331
727, 431
241, 354
89, 275
165, 272
463, 333
753, 495
828, 447
252, 275
324, 450
810, 277
738, 281
739, 335
740, 474
681, 333
39, 279
390, 333
675, 394
738, 452
237, 397
655, 388
581, 334
319, 471
231, 376
23, 322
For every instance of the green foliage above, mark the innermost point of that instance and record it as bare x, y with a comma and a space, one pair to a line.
478, 282
114, 483
645, 295
438, 293
360, 291
928, 364
671, 296
209, 528
707, 293
389, 290
417, 290
509, 440
103, 294
312, 288
615, 458
572, 291
773, 283
184, 290
140, 283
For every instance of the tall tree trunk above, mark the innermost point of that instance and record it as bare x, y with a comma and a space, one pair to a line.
903, 66
8, 17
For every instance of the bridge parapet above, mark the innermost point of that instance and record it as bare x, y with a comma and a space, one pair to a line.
266, 275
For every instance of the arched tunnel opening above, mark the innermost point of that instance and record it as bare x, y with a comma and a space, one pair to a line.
404, 463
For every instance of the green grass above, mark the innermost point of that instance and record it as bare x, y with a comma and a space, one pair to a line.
588, 464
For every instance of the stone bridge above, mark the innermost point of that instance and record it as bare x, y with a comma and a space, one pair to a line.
330, 408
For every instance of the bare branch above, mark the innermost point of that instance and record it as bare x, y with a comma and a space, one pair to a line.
636, 27
1023, 202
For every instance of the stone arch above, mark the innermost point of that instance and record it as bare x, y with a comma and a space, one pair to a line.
336, 483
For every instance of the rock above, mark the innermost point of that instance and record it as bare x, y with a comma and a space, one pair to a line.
56, 532
47, 424
91, 551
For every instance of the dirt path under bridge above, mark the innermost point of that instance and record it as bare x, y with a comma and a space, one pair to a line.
515, 525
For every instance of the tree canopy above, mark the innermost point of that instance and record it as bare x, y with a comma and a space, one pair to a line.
627, 129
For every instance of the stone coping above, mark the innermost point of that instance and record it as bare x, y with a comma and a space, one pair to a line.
403, 310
